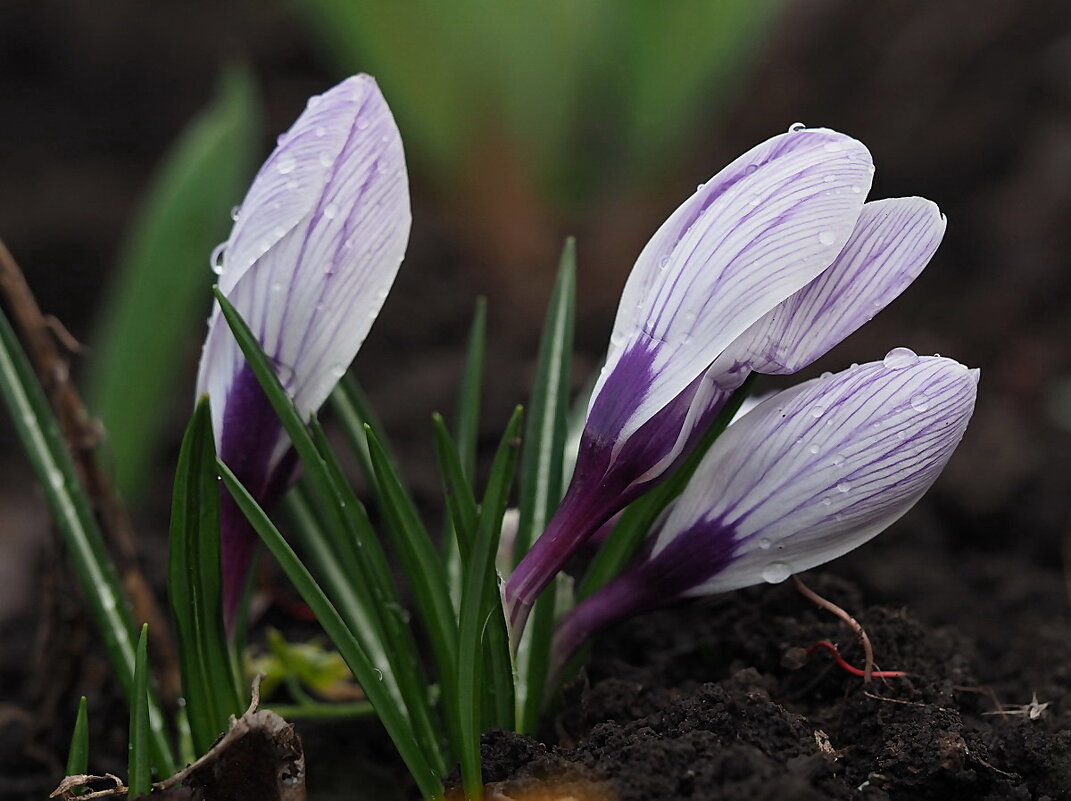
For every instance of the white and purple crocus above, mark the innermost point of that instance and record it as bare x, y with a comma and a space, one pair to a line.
766, 267
804, 477
314, 250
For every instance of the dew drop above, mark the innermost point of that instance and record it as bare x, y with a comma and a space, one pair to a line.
235, 211
765, 544
664, 264
286, 165
901, 435
314, 101
826, 375
325, 159
920, 402
829, 178
818, 411
216, 259
362, 125
844, 486
756, 200
898, 358
338, 370
278, 231
827, 238
827, 502
814, 449
776, 572
796, 126
281, 139
856, 188
750, 169
330, 211
699, 187
838, 459
379, 674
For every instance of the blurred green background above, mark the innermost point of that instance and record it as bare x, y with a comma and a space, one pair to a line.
130, 130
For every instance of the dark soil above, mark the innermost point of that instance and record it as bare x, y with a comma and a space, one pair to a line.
720, 701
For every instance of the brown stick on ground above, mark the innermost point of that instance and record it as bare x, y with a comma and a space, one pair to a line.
853, 624
83, 435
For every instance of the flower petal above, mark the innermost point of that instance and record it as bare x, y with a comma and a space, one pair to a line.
312, 294
893, 241
815, 471
761, 229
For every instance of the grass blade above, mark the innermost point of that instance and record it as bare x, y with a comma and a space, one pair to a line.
139, 765
479, 600
353, 412
78, 755
156, 298
546, 432
194, 584
641, 514
393, 719
460, 501
41, 439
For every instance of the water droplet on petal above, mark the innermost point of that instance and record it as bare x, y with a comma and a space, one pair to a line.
664, 264
325, 159
776, 572
814, 449
331, 211
699, 187
856, 188
338, 370
362, 125
818, 411
314, 101
750, 168
765, 544
898, 358
235, 211
286, 164
827, 238
920, 402
281, 138
844, 486
216, 259
756, 200
827, 502
838, 459
829, 178
796, 126
826, 375
901, 435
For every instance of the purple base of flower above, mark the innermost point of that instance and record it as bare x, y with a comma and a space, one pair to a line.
689, 560
251, 436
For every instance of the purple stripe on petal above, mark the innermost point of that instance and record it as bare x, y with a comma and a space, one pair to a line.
816, 470
893, 241
761, 229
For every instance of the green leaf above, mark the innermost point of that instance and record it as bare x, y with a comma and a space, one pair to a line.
194, 584
351, 532
420, 561
460, 500
139, 765
370, 677
541, 478
155, 300
40, 435
479, 600
354, 412
78, 755
641, 514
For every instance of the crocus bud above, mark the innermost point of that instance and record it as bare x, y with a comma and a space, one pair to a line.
314, 250
765, 268
806, 476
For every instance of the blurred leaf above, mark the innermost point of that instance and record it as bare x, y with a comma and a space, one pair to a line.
155, 300
460, 501
638, 518
194, 579
370, 677
541, 478
40, 435
479, 600
354, 412
78, 755
139, 766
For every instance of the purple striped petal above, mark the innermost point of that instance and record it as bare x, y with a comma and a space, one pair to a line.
757, 232
893, 241
805, 477
817, 470
314, 250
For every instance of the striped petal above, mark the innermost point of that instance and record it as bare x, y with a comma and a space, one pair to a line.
760, 230
893, 241
815, 471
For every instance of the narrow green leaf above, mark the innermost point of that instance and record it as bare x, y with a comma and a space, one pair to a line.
78, 755
479, 600
392, 717
139, 765
546, 432
186, 752
41, 439
155, 300
194, 584
637, 519
350, 529
354, 412
460, 500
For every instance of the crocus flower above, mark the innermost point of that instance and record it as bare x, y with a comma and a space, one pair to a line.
765, 268
315, 247
806, 476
